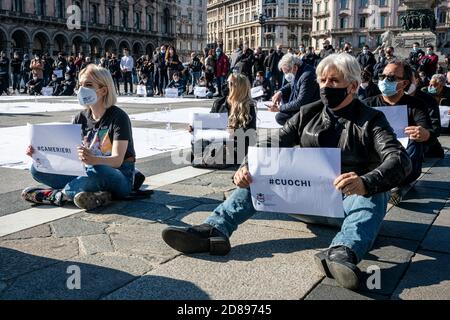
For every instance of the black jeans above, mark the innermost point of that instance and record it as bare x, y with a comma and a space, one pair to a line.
127, 79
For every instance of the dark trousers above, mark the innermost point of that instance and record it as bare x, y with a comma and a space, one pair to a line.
16, 81
415, 151
282, 117
127, 79
117, 83
4, 84
163, 80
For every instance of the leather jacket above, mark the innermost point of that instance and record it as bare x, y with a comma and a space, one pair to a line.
368, 145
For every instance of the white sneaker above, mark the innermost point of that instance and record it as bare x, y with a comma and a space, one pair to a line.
92, 200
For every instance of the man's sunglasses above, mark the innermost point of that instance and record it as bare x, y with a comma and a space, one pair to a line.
389, 78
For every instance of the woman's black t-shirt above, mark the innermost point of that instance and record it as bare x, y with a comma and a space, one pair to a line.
98, 136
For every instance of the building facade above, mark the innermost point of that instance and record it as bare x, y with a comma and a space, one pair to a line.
362, 22
190, 27
264, 23
105, 26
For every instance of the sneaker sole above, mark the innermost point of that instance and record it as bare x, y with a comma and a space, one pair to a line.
89, 201
188, 243
344, 275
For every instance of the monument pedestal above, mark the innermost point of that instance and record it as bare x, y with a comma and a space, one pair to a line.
403, 42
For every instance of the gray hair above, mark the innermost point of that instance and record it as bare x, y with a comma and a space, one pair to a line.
289, 60
439, 78
345, 64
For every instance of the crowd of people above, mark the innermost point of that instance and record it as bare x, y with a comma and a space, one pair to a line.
324, 100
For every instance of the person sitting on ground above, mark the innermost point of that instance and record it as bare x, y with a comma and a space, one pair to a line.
54, 84
439, 90
67, 86
433, 147
373, 162
143, 82
177, 83
367, 88
241, 110
265, 83
34, 86
107, 150
394, 80
423, 80
202, 82
301, 88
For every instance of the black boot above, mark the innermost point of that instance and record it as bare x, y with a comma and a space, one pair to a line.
339, 263
197, 239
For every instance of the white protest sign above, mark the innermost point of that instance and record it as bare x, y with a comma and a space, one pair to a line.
172, 93
55, 148
47, 91
200, 92
397, 116
267, 120
257, 92
263, 104
445, 116
210, 126
58, 73
296, 180
141, 90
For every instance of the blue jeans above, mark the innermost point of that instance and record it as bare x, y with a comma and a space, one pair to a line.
100, 178
359, 228
195, 76
415, 151
220, 80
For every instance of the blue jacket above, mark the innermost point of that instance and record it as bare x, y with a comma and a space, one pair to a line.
304, 90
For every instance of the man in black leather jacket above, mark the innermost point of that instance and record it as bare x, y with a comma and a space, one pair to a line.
373, 162
394, 80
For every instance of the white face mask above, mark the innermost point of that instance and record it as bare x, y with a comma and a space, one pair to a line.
364, 85
86, 96
290, 77
412, 89
67, 78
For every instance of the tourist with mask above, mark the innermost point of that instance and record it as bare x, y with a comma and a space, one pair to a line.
301, 88
195, 68
25, 70
301, 51
35, 85
423, 81
221, 70
259, 58
386, 56
393, 83
275, 75
438, 89
161, 77
16, 64
414, 55
429, 62
114, 69
260, 81
373, 162
107, 150
311, 57
433, 148
366, 59
55, 85
67, 86
367, 88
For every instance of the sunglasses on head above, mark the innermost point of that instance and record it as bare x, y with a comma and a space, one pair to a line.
390, 78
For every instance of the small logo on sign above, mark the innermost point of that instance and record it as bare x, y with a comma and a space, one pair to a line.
260, 197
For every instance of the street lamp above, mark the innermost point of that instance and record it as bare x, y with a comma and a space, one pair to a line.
262, 18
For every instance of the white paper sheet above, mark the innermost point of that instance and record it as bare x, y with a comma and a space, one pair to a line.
209, 120
296, 180
397, 116
266, 120
55, 148
173, 116
141, 90
200, 92
445, 116
211, 135
37, 107
153, 100
257, 92
172, 93
263, 105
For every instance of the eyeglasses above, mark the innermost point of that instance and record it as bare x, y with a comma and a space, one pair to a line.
389, 78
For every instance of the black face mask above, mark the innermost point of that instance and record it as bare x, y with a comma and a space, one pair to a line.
333, 97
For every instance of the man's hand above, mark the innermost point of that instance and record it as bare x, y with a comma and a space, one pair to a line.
86, 156
273, 107
350, 183
276, 99
242, 178
417, 133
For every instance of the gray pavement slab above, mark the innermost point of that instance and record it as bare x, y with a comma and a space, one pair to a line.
12, 202
438, 237
99, 275
327, 292
98, 243
265, 263
42, 231
14, 180
427, 278
74, 227
22, 256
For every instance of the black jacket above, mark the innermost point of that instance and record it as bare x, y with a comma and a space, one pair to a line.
368, 145
371, 91
367, 61
433, 112
16, 65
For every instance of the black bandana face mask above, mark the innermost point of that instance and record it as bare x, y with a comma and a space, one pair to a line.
333, 97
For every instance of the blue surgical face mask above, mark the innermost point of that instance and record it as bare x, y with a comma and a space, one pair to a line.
387, 88
432, 90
